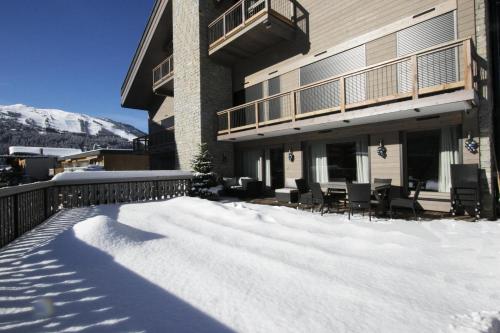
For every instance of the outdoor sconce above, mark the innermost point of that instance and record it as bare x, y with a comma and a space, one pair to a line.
224, 158
290, 155
381, 150
471, 144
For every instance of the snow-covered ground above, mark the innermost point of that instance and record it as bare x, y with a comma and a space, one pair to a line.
190, 265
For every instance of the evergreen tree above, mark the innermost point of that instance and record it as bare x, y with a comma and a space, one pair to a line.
203, 161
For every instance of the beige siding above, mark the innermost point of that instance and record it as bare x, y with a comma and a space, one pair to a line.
289, 81
465, 18
293, 169
389, 167
332, 23
381, 49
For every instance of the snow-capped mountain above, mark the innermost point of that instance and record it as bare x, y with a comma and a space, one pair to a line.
54, 120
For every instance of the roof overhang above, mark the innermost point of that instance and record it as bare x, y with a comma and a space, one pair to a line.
136, 90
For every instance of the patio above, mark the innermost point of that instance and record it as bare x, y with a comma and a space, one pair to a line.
236, 266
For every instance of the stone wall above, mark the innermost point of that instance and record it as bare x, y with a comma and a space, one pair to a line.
201, 87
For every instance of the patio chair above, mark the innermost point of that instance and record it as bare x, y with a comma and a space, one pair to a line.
465, 189
359, 198
382, 195
305, 195
319, 198
410, 203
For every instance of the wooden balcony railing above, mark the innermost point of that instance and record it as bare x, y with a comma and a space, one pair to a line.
163, 71
445, 67
24, 207
243, 13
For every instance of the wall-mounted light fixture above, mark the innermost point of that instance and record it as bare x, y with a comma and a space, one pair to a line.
471, 145
381, 150
291, 157
224, 158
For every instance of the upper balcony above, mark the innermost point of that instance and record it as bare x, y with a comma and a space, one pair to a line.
163, 77
249, 27
436, 80
158, 142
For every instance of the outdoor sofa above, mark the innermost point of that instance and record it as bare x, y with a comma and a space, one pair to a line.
242, 187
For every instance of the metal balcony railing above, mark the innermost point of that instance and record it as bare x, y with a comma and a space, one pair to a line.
155, 142
243, 13
445, 67
163, 71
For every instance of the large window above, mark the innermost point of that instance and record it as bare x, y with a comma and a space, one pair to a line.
331, 160
341, 159
423, 159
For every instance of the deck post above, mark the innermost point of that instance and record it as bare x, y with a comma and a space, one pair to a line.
468, 64
414, 76
256, 107
342, 93
243, 18
228, 122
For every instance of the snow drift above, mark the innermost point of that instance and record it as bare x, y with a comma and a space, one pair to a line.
190, 265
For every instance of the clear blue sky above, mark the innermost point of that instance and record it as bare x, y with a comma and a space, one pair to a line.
70, 54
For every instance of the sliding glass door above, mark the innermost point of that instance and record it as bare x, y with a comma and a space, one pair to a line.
329, 161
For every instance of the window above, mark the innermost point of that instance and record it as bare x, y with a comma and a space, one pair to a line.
422, 149
341, 158
348, 159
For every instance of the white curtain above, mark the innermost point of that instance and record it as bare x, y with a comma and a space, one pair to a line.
268, 168
362, 163
448, 155
319, 163
251, 164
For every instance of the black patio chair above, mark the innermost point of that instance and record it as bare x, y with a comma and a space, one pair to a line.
319, 198
359, 196
465, 191
410, 203
305, 195
382, 194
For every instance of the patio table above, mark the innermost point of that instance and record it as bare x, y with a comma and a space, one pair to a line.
379, 191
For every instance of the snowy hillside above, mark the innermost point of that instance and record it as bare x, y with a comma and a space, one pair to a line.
61, 121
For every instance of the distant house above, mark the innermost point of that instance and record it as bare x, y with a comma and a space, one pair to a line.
36, 162
105, 159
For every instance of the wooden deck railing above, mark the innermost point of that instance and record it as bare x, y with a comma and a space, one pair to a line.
163, 71
243, 13
445, 67
24, 207
155, 142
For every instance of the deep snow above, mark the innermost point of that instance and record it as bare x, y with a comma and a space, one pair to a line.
191, 265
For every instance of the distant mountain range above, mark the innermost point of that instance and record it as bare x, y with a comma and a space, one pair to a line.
22, 125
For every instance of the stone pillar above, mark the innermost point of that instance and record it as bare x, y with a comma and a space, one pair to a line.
485, 109
201, 87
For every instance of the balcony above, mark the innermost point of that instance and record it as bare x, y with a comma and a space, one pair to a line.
436, 80
250, 26
159, 142
163, 77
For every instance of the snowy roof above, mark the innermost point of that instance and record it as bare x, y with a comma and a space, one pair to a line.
45, 151
95, 152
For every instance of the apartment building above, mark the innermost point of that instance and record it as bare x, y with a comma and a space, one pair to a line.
322, 89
